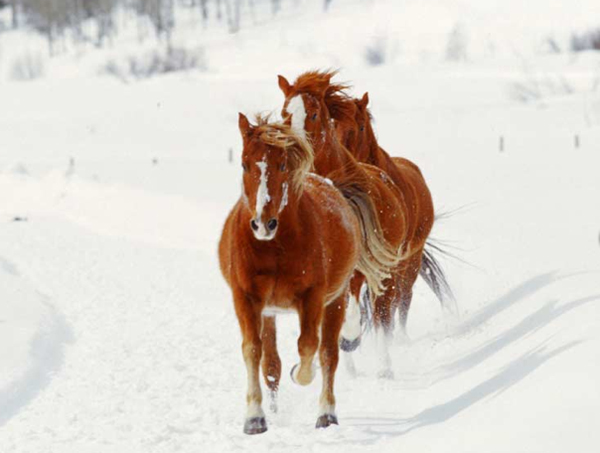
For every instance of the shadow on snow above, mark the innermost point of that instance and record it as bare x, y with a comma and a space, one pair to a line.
507, 377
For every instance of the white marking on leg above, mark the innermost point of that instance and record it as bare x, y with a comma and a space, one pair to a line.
254, 410
298, 111
306, 378
351, 328
325, 405
325, 408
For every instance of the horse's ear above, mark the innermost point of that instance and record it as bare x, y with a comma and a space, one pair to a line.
365, 100
244, 125
284, 85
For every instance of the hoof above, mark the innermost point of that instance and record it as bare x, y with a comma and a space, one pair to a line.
386, 374
292, 374
349, 345
326, 420
255, 425
301, 380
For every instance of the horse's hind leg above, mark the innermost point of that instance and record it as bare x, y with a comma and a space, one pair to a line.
329, 356
409, 271
271, 363
310, 313
249, 318
383, 316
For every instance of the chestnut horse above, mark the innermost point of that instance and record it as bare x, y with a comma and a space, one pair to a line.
406, 216
353, 123
292, 242
407, 176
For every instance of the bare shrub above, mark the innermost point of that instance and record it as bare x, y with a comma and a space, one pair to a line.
157, 62
375, 52
538, 88
456, 47
552, 46
28, 66
589, 40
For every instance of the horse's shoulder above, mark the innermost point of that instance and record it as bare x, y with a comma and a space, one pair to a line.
323, 192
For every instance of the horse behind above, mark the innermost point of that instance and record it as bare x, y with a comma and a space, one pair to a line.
353, 124
341, 132
292, 242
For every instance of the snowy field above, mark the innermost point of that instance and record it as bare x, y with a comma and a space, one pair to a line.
118, 332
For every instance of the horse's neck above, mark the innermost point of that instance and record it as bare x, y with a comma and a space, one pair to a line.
373, 154
380, 158
331, 155
363, 154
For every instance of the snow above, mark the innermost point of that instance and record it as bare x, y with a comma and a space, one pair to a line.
34, 330
119, 332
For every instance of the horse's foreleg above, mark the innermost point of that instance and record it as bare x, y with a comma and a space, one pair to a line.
249, 318
310, 313
329, 356
271, 363
351, 328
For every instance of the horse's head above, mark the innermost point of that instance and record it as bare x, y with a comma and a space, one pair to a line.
364, 130
343, 111
275, 162
304, 107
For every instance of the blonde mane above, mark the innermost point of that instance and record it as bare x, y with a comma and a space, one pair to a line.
299, 150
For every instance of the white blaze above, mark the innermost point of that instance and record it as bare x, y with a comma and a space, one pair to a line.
298, 111
284, 198
262, 196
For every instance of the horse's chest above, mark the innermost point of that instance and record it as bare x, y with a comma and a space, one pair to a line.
280, 280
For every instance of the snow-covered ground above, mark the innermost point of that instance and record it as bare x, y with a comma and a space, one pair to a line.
118, 332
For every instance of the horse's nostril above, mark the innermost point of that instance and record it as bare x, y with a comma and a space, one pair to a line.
254, 225
272, 224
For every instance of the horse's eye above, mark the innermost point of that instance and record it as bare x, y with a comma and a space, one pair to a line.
282, 168
314, 117
245, 167
362, 128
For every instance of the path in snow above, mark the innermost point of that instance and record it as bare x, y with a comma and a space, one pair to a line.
34, 334
153, 362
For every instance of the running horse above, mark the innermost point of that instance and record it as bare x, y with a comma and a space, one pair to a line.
292, 242
409, 178
406, 216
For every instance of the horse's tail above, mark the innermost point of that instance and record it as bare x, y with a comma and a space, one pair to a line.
377, 257
432, 272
